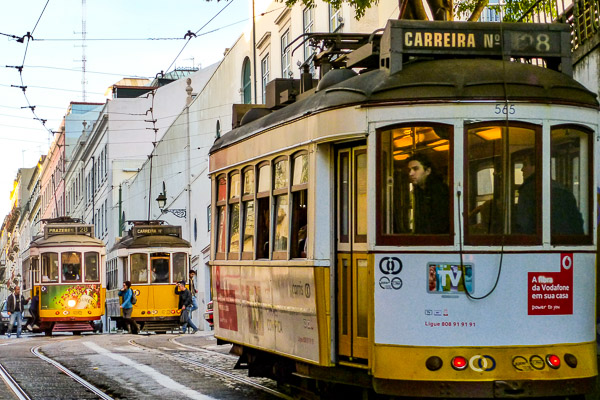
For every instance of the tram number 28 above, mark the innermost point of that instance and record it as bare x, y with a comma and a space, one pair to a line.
540, 42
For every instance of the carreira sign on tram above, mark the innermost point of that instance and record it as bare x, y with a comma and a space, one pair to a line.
551, 293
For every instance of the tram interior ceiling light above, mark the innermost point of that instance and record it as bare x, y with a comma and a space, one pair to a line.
494, 133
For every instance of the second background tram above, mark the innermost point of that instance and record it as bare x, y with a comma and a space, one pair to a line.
154, 257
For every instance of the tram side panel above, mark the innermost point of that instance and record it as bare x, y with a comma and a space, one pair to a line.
273, 308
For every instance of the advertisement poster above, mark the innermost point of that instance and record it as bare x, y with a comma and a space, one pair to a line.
82, 297
487, 299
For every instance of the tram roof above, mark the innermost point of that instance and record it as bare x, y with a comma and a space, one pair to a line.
430, 81
66, 240
132, 242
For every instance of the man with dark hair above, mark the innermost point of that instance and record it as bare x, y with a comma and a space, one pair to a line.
185, 303
127, 293
431, 195
15, 306
565, 218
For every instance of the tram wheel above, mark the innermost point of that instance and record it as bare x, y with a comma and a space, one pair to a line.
48, 332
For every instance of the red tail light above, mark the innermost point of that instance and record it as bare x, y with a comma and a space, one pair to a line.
459, 363
553, 361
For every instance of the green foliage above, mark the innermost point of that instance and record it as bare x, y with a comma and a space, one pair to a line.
360, 6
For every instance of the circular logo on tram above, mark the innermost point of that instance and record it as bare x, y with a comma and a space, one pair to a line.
480, 363
390, 265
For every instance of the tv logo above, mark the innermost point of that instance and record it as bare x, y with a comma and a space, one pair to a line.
448, 278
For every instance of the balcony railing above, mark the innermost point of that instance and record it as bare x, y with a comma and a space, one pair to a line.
581, 15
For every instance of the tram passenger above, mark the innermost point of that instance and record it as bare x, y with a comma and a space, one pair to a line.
126, 292
69, 273
565, 218
185, 303
431, 213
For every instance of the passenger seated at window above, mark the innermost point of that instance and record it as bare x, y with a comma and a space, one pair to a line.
564, 215
69, 273
431, 197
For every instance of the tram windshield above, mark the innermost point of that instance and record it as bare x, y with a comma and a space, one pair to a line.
416, 177
139, 268
91, 267
160, 267
50, 267
179, 266
71, 266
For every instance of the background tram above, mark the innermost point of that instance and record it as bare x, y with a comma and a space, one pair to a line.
153, 256
65, 268
424, 228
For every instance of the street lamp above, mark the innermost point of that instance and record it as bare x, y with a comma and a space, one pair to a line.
162, 202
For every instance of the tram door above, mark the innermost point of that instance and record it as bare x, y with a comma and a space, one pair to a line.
352, 265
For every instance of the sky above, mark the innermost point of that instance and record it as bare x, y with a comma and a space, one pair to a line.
125, 38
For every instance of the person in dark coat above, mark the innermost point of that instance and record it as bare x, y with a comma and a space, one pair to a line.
15, 306
565, 218
34, 311
431, 195
185, 303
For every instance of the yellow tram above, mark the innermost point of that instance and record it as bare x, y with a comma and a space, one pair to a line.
423, 228
154, 257
64, 267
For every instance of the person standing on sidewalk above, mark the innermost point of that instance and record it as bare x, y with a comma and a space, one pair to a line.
15, 306
185, 303
127, 293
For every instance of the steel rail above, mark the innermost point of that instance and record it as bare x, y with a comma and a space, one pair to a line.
214, 370
13, 385
72, 375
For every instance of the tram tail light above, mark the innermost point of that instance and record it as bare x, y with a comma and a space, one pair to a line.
553, 361
459, 363
434, 363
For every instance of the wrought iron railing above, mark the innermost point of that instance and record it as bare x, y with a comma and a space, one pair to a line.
582, 15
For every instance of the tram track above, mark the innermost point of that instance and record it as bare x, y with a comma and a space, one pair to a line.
36, 351
211, 369
13, 385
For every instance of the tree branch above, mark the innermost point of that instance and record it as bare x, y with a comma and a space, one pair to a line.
478, 9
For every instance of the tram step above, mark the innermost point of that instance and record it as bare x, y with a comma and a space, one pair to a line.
159, 326
72, 327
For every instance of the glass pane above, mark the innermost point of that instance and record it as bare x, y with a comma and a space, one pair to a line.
263, 224
50, 267
179, 266
415, 164
281, 176
221, 188
249, 226
221, 229
569, 191
249, 181
299, 224
139, 268
91, 267
361, 193
300, 175
159, 263
264, 178
281, 223
502, 185
234, 228
344, 196
234, 186
362, 299
71, 266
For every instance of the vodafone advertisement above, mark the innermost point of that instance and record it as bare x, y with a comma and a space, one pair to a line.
516, 299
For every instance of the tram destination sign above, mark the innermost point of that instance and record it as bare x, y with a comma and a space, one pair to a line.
151, 230
403, 39
68, 230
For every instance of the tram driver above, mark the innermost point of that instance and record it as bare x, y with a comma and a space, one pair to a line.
431, 197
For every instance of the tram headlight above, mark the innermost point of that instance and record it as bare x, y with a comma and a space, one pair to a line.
459, 363
553, 361
71, 303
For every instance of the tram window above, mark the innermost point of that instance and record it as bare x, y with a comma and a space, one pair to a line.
27, 274
415, 180
504, 185
91, 267
570, 188
248, 217
234, 215
71, 266
263, 220
221, 230
179, 266
139, 268
299, 206
222, 188
221, 242
281, 202
159, 264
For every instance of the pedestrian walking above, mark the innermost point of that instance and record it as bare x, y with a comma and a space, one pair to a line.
127, 293
15, 306
185, 303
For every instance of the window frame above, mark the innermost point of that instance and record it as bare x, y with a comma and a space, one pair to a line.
294, 189
276, 194
412, 239
260, 198
232, 201
221, 205
245, 198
